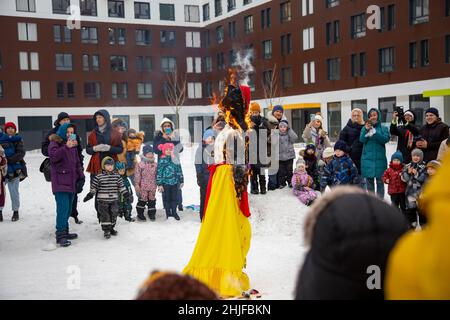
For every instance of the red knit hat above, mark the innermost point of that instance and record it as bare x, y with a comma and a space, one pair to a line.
10, 125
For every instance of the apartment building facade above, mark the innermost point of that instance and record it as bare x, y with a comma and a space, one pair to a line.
308, 55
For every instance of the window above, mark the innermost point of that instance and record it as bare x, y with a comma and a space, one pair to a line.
67, 35
332, 32
248, 24
167, 38
95, 62
147, 124
386, 106
418, 11
334, 69
447, 8
145, 90
307, 7
89, 35
208, 64
386, 59
286, 77
334, 120
57, 34
246, 2
413, 55
331, 3
85, 62
251, 82
29, 61
286, 44
219, 34
232, 58
63, 61
117, 35
88, 7
250, 52
119, 90
143, 37
166, 12
220, 61
308, 38
265, 18
267, 49
144, 64
231, 5
26, 5
447, 49
208, 90
194, 90
206, 9
424, 53
232, 29
206, 39
218, 7
60, 6
285, 11
311, 76
391, 17
92, 90
358, 63
382, 20
168, 64
116, 9
60, 86
118, 63
419, 105
193, 64
141, 10
358, 25
31, 89
191, 13
193, 39
27, 31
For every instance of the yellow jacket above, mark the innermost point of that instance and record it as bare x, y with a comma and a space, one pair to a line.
134, 144
419, 265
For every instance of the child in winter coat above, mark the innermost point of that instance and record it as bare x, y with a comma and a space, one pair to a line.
125, 204
109, 187
327, 157
286, 142
169, 179
392, 177
414, 174
309, 155
341, 170
134, 143
3, 171
145, 184
203, 158
432, 167
302, 184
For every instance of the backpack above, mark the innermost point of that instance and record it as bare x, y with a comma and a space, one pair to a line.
45, 168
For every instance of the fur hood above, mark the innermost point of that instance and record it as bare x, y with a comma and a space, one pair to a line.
56, 138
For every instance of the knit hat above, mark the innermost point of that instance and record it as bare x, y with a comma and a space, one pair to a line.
310, 146
254, 106
9, 125
417, 152
328, 152
107, 161
434, 164
277, 108
433, 111
409, 112
208, 133
340, 145
120, 165
164, 147
148, 148
119, 123
397, 156
61, 116
318, 117
284, 122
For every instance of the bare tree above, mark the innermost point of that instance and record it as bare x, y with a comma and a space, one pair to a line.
175, 91
270, 88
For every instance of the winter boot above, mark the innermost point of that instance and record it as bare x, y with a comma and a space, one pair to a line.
70, 236
61, 239
77, 221
140, 213
107, 234
15, 216
1, 216
113, 232
180, 207
262, 184
254, 184
151, 209
168, 213
175, 214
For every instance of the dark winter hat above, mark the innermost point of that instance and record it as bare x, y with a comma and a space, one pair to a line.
277, 108
284, 122
340, 145
120, 165
397, 155
433, 111
148, 148
310, 146
417, 152
10, 125
347, 231
107, 161
61, 116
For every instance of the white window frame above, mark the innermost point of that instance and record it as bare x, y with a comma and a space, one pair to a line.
30, 89
189, 15
27, 31
308, 38
194, 90
30, 4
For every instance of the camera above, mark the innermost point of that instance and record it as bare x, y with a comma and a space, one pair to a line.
401, 114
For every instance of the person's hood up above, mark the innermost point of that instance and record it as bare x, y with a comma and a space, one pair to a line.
167, 120
105, 115
62, 131
379, 114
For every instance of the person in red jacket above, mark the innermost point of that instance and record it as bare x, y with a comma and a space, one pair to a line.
396, 187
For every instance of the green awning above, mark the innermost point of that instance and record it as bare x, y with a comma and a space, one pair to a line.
436, 93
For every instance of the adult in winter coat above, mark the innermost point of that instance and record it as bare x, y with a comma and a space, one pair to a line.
314, 133
66, 170
419, 265
286, 154
373, 161
63, 117
12, 144
3, 170
204, 157
443, 149
350, 135
274, 119
396, 186
347, 230
432, 133
406, 133
168, 134
103, 142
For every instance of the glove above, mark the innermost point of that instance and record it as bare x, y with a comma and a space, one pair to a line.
88, 197
80, 185
102, 148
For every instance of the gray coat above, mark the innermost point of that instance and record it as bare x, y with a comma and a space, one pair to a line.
286, 145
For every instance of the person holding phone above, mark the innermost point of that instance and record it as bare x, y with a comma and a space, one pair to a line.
315, 134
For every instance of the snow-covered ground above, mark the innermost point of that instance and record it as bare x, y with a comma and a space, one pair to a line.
114, 268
